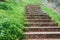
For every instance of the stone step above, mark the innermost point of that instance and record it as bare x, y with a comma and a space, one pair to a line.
42, 33
38, 35
35, 14
42, 29
38, 11
33, 10
32, 7
38, 17
39, 20
29, 13
41, 24
41, 39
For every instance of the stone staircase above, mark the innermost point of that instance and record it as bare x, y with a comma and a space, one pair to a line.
40, 25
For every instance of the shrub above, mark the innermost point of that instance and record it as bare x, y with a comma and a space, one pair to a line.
12, 18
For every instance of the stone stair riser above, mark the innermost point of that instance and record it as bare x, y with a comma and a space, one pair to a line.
42, 29
41, 39
43, 24
42, 17
39, 20
38, 36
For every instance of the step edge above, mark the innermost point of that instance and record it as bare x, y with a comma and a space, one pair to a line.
42, 39
42, 33
40, 22
41, 27
38, 19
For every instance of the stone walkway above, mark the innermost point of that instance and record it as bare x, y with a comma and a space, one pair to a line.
40, 25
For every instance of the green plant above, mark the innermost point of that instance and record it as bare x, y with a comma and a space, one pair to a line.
52, 13
12, 18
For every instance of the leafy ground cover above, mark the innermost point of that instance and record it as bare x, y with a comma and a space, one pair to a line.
52, 13
12, 18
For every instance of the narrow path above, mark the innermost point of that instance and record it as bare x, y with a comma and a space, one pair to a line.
41, 26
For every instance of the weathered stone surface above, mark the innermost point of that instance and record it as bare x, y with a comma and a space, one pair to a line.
41, 39
42, 27
38, 36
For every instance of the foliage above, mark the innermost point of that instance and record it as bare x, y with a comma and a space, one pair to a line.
52, 13
12, 18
